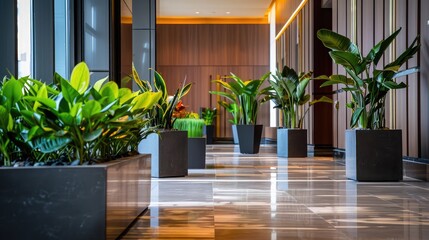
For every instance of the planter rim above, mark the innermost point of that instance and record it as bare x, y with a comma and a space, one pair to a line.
97, 165
291, 128
366, 129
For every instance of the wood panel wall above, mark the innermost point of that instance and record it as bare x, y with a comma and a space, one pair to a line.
410, 109
201, 52
298, 48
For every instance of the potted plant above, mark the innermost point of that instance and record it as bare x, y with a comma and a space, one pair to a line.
234, 110
45, 129
248, 96
169, 159
288, 94
373, 153
196, 142
209, 115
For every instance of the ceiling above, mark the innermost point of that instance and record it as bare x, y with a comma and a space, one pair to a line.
206, 8
213, 8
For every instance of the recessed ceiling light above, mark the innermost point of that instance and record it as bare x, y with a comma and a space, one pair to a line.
197, 12
228, 12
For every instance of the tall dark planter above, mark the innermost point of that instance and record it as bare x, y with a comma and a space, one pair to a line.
197, 153
209, 132
73, 202
374, 155
249, 138
169, 152
291, 142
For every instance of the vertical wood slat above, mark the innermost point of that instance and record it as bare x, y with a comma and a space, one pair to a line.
335, 71
424, 80
401, 94
413, 84
342, 97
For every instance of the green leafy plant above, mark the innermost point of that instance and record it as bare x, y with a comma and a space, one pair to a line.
209, 115
367, 82
194, 126
72, 119
244, 95
288, 94
163, 112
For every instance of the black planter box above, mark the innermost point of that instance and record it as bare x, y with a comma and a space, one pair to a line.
291, 142
169, 152
197, 153
249, 138
73, 202
209, 132
374, 155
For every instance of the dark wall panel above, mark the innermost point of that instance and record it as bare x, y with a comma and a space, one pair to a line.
411, 113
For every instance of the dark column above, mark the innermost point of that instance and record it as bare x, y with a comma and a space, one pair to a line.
144, 24
8, 47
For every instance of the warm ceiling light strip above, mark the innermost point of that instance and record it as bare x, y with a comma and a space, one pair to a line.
179, 20
292, 17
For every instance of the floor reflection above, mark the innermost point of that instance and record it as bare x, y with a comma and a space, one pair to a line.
264, 197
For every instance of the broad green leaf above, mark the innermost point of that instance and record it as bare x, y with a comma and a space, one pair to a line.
12, 90
160, 85
146, 100
66, 118
91, 108
110, 90
51, 144
347, 60
322, 99
394, 85
6, 121
45, 101
355, 116
69, 93
378, 50
91, 136
76, 110
35, 131
80, 77
335, 41
99, 83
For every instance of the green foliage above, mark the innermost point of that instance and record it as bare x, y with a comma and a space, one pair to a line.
194, 126
163, 112
288, 94
71, 118
208, 114
243, 97
367, 82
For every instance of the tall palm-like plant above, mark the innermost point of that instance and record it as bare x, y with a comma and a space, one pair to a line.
288, 94
247, 95
367, 82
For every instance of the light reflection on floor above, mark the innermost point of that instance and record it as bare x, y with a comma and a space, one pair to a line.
265, 197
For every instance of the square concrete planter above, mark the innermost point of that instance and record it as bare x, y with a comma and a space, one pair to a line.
73, 202
291, 142
249, 138
196, 153
374, 155
169, 152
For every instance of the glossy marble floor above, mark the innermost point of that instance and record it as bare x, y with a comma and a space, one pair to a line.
265, 197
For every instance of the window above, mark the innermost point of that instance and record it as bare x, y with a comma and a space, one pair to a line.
24, 38
62, 36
